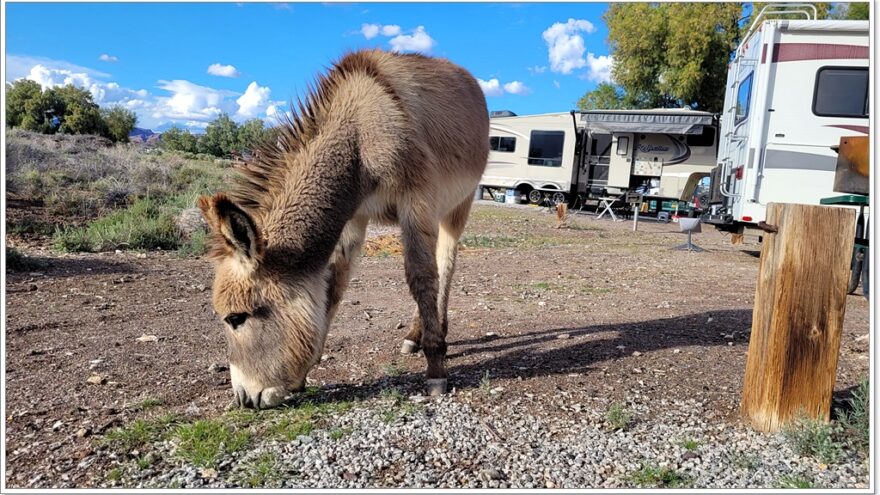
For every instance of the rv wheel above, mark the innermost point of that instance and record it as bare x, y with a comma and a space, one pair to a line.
558, 197
535, 196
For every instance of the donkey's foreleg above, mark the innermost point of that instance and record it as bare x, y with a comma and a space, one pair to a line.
419, 243
343, 259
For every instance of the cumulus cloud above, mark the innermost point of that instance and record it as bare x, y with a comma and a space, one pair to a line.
223, 70
108, 58
565, 45
253, 101
19, 66
370, 31
494, 87
390, 30
599, 68
418, 41
516, 88
190, 101
104, 93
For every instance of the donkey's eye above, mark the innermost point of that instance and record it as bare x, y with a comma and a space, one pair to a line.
236, 319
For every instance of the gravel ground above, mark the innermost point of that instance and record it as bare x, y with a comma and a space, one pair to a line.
446, 443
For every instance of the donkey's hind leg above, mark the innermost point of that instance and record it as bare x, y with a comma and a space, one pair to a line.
342, 261
451, 229
419, 233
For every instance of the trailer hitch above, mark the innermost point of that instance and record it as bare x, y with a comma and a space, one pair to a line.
766, 227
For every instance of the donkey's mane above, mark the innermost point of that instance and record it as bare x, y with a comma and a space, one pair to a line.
263, 173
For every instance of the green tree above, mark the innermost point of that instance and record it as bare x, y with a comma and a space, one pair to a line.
856, 11
606, 96
84, 120
251, 133
18, 94
220, 138
119, 121
180, 140
673, 54
39, 112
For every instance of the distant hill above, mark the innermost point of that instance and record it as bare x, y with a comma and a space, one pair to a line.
138, 135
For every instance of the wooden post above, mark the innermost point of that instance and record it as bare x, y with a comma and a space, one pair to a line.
798, 314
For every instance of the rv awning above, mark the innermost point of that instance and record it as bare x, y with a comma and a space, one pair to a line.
664, 122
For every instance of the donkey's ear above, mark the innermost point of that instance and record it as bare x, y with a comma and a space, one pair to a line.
232, 223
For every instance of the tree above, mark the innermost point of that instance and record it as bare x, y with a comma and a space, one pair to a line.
84, 120
180, 140
856, 11
40, 112
673, 54
606, 96
250, 134
119, 121
18, 94
220, 138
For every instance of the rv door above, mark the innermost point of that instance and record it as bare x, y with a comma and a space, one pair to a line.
621, 160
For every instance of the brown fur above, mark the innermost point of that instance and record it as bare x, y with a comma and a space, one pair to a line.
382, 136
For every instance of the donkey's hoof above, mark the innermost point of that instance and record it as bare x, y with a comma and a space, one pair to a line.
436, 386
409, 347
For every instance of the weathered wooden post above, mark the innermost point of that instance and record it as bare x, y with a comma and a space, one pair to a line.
798, 314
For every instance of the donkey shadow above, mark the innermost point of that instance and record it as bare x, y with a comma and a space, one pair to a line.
528, 356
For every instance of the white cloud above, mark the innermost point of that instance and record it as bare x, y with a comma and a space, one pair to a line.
517, 88
599, 68
418, 41
104, 93
390, 30
18, 66
190, 101
370, 31
491, 87
253, 100
108, 58
223, 70
566, 46
538, 69
556, 83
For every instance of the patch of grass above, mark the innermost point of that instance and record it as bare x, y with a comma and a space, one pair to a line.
392, 394
143, 225
855, 423
815, 438
203, 442
398, 407
485, 382
28, 226
139, 432
690, 444
148, 403
260, 473
650, 476
145, 461
473, 241
337, 433
196, 245
541, 285
794, 481
16, 261
114, 475
617, 417
392, 369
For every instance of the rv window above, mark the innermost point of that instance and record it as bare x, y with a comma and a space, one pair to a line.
503, 144
743, 97
841, 92
545, 148
707, 138
623, 145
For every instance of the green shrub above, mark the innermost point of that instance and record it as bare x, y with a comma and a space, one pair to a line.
811, 437
856, 423
203, 443
143, 225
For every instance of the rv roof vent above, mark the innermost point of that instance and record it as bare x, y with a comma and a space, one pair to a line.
501, 113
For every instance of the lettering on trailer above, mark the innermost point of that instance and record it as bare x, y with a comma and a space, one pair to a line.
648, 148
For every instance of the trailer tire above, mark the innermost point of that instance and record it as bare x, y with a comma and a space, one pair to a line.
535, 197
866, 279
558, 197
858, 258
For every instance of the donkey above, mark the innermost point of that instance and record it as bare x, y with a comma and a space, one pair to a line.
383, 137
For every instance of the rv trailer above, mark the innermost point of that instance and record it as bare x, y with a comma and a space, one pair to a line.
794, 88
660, 153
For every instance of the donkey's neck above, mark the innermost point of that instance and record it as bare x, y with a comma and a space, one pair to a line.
322, 189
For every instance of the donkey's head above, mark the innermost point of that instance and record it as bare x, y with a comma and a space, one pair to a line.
274, 321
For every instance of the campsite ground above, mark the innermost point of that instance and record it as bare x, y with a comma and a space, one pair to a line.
594, 315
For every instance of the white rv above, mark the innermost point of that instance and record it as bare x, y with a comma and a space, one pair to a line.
794, 88
659, 152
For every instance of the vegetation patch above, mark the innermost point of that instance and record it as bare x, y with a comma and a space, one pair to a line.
143, 225
794, 481
203, 442
815, 438
262, 472
855, 423
16, 261
139, 433
651, 476
617, 417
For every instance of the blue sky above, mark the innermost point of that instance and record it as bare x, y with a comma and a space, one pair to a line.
182, 64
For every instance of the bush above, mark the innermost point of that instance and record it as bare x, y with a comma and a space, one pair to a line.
856, 423
812, 437
143, 225
120, 121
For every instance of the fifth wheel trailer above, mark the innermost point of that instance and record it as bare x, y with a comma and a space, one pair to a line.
659, 152
794, 89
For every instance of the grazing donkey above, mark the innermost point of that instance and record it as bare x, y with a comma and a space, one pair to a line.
384, 137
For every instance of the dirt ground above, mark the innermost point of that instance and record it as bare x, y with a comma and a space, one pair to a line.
595, 308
